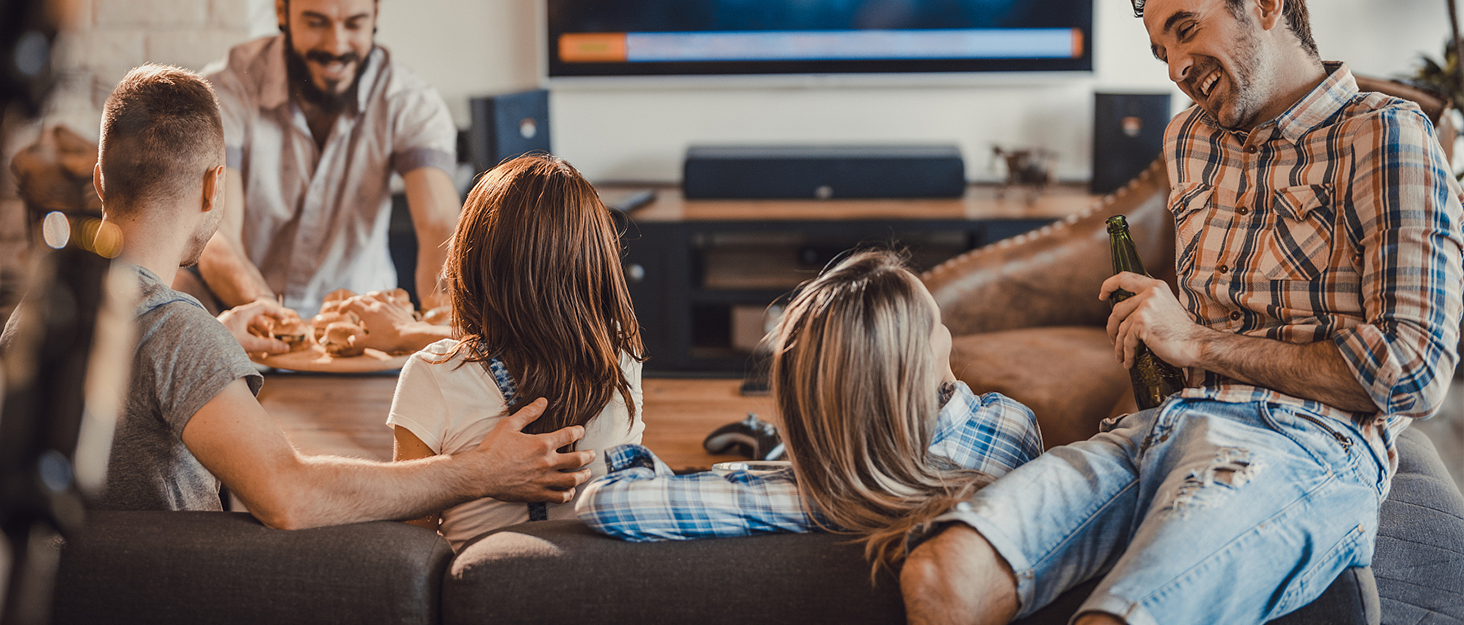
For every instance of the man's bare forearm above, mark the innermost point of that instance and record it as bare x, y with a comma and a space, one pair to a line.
345, 490
226, 270
330, 490
1314, 371
434, 204
236, 440
428, 278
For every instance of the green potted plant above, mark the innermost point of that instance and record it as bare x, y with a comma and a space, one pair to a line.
1445, 77
1440, 76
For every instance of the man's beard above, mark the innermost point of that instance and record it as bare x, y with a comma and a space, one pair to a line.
1246, 97
197, 241
300, 78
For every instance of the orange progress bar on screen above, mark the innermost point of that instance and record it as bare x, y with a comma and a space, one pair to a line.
592, 48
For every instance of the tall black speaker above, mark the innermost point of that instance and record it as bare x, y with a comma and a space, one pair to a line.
1128, 134
508, 125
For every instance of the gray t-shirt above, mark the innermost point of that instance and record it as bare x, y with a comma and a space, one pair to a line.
184, 358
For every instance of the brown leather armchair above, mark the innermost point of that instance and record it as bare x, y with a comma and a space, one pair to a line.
1025, 311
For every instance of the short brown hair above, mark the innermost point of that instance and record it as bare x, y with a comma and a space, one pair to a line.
534, 275
161, 131
1298, 19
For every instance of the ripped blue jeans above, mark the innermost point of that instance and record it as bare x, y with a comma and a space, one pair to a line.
1194, 512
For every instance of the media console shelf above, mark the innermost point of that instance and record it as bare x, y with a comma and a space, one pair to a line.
701, 272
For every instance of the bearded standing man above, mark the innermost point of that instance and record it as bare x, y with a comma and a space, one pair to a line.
316, 119
1319, 262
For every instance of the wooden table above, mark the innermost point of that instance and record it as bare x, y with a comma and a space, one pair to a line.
346, 414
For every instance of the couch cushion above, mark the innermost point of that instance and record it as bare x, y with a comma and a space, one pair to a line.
223, 567
1419, 560
562, 572
1352, 599
1066, 375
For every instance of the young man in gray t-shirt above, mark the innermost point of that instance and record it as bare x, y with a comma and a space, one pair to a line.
191, 419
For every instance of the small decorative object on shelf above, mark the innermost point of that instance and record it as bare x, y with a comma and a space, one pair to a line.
1027, 168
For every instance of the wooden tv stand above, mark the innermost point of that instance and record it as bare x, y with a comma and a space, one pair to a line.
702, 271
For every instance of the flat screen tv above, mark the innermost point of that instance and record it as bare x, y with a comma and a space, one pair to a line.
750, 37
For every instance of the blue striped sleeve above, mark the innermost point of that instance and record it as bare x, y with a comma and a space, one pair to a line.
641, 500
1406, 206
991, 433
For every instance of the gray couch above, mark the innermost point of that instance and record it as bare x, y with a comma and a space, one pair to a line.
220, 567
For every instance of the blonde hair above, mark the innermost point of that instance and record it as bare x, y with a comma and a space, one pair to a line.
857, 388
534, 277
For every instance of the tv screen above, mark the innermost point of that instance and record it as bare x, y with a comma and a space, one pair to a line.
711, 37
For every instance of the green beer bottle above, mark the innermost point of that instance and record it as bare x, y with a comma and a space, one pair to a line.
1154, 380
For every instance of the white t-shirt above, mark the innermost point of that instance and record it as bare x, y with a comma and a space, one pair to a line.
451, 406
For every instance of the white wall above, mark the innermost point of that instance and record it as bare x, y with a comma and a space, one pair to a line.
480, 47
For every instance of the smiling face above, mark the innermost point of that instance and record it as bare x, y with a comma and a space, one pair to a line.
331, 39
1216, 56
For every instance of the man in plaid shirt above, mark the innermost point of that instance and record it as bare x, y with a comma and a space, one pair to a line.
1319, 263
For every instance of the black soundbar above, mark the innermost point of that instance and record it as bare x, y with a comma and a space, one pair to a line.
823, 172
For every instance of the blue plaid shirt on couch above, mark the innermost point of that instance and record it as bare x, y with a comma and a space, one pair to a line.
640, 499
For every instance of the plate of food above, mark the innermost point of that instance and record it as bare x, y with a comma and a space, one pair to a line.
334, 340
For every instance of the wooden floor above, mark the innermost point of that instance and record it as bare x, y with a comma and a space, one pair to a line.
346, 414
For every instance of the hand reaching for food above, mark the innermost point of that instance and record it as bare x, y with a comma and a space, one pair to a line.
343, 339
263, 326
349, 324
383, 316
391, 324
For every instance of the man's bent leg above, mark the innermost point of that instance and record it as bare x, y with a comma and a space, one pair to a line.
1249, 512
1053, 523
957, 577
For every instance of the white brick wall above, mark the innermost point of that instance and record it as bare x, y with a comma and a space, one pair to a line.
192, 49
232, 15
151, 13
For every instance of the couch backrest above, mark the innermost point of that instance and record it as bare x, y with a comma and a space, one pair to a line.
1051, 276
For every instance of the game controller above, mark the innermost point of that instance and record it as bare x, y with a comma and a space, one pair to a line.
752, 438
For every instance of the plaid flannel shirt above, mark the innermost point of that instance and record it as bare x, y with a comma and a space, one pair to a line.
640, 499
1337, 221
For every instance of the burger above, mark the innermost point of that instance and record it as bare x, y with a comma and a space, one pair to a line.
293, 331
